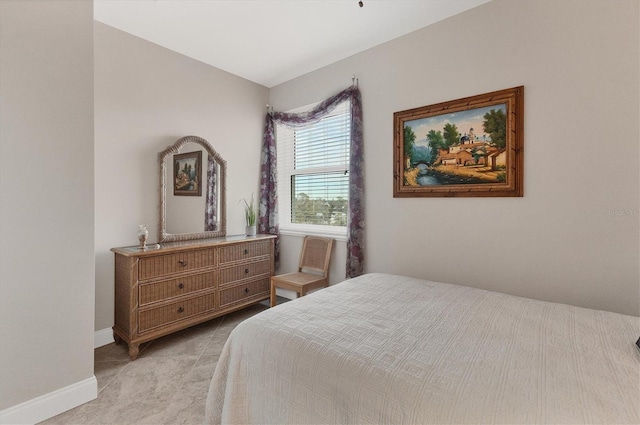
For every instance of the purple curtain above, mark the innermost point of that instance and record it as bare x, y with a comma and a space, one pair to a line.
210, 219
355, 220
268, 222
268, 202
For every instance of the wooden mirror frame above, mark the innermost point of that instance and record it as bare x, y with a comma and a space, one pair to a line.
222, 206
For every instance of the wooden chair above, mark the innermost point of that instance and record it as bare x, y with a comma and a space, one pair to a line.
313, 269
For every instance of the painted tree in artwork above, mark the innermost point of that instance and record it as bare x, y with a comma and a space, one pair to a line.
436, 142
409, 142
450, 134
495, 125
187, 170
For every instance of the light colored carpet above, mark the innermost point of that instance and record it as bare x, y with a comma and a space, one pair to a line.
166, 384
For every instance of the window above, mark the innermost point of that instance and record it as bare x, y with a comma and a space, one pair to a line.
313, 179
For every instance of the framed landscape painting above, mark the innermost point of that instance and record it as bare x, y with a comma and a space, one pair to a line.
187, 174
461, 148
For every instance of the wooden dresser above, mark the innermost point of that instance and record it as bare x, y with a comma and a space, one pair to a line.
164, 289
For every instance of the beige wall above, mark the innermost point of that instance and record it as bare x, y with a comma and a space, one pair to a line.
46, 212
574, 236
146, 98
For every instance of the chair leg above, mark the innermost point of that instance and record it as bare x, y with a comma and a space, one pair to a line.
273, 300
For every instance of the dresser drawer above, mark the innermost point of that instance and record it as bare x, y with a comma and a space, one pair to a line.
229, 275
230, 254
163, 265
174, 312
158, 291
241, 292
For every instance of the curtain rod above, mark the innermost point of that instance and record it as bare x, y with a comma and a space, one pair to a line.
354, 81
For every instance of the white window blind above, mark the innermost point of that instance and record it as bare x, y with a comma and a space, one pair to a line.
313, 180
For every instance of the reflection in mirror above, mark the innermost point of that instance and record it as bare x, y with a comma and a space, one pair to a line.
185, 203
192, 191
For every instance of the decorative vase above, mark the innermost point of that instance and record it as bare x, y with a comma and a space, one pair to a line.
251, 230
143, 234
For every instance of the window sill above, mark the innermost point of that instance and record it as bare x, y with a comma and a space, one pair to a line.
338, 236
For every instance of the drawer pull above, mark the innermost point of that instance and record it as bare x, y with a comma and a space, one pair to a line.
181, 285
246, 251
246, 271
246, 290
180, 309
182, 263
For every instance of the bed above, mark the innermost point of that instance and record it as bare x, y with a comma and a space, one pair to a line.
387, 349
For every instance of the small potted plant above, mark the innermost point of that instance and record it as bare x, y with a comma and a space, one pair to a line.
250, 215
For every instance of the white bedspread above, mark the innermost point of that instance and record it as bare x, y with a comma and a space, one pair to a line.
384, 349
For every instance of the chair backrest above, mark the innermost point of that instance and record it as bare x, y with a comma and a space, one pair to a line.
316, 254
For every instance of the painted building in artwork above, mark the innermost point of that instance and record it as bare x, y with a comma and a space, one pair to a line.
497, 158
468, 139
472, 151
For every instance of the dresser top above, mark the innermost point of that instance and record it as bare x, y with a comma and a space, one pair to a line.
152, 249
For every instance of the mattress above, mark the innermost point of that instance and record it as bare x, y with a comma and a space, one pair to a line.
387, 349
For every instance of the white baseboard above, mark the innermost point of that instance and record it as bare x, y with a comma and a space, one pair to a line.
102, 337
59, 401
51, 404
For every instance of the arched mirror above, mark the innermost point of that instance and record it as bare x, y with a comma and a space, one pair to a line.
192, 191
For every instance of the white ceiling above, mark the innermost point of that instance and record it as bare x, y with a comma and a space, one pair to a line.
272, 41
